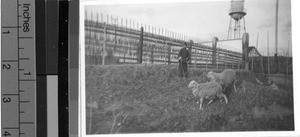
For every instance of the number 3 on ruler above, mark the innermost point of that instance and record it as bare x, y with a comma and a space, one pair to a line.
6, 100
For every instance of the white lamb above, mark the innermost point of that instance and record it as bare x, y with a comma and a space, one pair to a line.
226, 78
206, 90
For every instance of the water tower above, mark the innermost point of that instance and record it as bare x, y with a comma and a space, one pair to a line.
237, 12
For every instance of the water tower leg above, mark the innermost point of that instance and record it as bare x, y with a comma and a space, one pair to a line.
244, 24
235, 29
229, 28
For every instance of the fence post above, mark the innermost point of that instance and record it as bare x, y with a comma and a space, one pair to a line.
262, 65
191, 43
97, 41
115, 41
206, 63
287, 66
287, 57
124, 59
152, 53
166, 48
268, 64
92, 40
140, 58
245, 44
115, 38
276, 63
214, 49
225, 62
125, 50
218, 57
268, 60
104, 44
252, 63
169, 54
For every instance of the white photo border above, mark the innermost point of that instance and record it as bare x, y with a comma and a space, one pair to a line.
82, 96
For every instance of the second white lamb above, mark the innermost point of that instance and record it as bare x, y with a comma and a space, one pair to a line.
226, 78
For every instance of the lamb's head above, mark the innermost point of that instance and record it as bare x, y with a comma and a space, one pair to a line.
192, 84
211, 76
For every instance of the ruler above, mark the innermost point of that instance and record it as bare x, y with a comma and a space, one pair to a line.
18, 68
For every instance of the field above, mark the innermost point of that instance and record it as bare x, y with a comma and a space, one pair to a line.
152, 99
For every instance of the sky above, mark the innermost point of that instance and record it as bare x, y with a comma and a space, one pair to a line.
203, 20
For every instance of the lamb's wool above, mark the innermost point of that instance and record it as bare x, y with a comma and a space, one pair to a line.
226, 78
206, 90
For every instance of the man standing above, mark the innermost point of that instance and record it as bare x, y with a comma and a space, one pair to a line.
184, 57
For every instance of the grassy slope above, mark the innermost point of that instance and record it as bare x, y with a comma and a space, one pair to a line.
151, 98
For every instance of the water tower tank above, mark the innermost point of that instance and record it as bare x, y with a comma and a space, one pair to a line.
237, 10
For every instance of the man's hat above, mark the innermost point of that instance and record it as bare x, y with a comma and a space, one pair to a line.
184, 43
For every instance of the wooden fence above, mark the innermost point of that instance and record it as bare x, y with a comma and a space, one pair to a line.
267, 65
113, 44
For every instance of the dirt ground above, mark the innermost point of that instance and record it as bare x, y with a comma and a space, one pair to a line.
152, 99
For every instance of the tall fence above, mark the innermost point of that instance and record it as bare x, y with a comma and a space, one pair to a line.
267, 65
117, 44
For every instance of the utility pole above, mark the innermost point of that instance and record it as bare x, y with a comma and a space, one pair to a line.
268, 55
287, 58
276, 39
276, 28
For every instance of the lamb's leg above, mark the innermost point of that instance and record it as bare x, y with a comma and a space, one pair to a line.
234, 85
201, 100
223, 95
224, 88
209, 102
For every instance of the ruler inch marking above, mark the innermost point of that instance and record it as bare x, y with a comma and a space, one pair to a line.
27, 74
6, 32
10, 127
48, 74
26, 122
10, 94
26, 80
24, 101
26, 38
11, 27
24, 58
10, 60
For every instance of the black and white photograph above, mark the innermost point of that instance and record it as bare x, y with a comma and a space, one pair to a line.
195, 66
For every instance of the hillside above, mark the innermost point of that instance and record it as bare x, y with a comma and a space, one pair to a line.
151, 98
